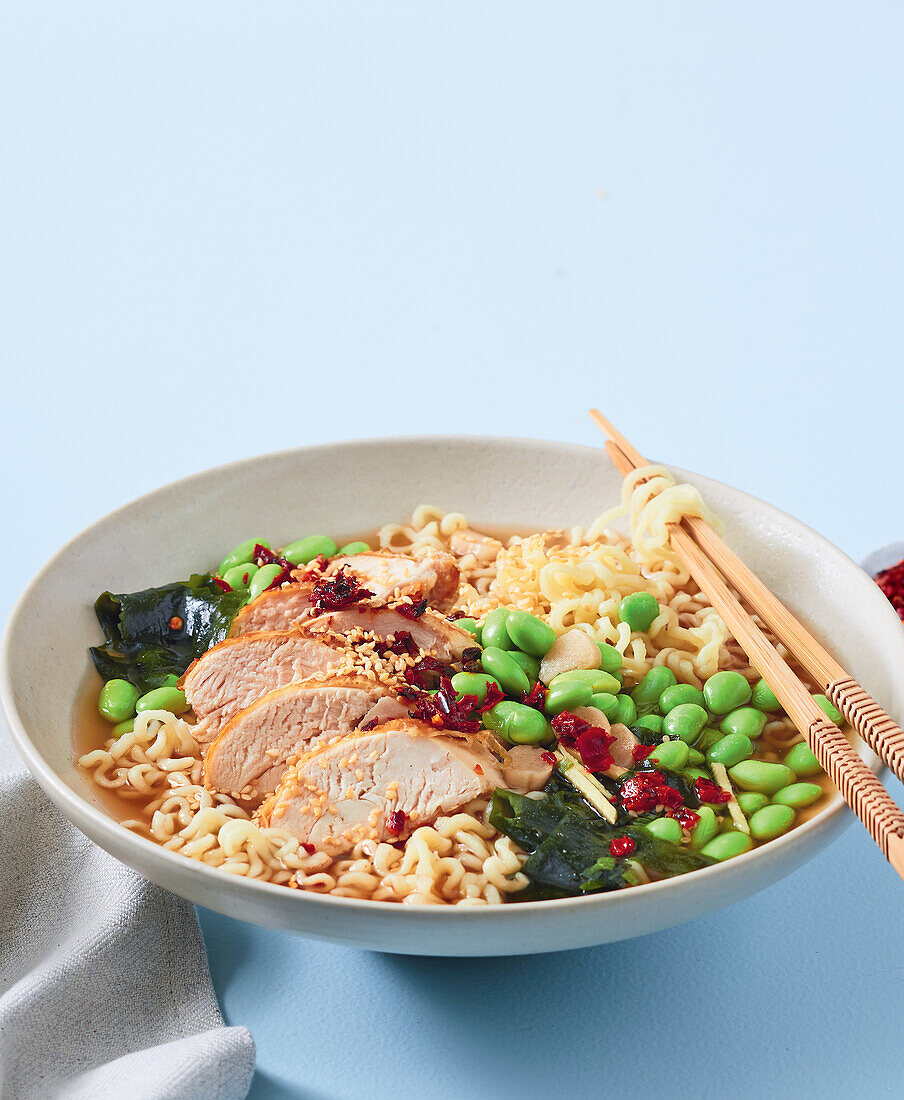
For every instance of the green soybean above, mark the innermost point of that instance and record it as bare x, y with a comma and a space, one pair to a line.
304, 550
239, 576
595, 677
626, 712
605, 702
567, 696
471, 625
612, 660
170, 681
745, 720
124, 727
705, 829
751, 801
761, 775
665, 828
648, 691
529, 633
352, 548
771, 821
801, 759
708, 738
117, 700
798, 795
511, 676
473, 683
530, 664
726, 691
677, 694
262, 579
518, 724
728, 845
695, 757
651, 722
670, 754
493, 632
243, 552
828, 708
693, 773
164, 698
730, 750
685, 721
763, 697
638, 610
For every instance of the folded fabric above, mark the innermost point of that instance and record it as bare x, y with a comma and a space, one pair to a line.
104, 986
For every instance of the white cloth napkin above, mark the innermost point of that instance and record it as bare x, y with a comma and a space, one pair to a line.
104, 987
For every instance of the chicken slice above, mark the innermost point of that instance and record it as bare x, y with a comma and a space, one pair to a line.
275, 609
484, 548
431, 573
379, 785
432, 632
248, 758
234, 673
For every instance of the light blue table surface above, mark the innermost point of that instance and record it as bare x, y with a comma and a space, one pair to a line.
235, 228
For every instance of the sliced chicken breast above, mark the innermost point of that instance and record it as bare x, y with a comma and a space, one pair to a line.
379, 785
249, 756
234, 673
275, 609
432, 632
431, 573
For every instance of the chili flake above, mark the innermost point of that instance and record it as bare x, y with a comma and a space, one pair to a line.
396, 822
339, 591
707, 791
621, 846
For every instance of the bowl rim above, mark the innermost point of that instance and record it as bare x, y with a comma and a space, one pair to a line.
77, 808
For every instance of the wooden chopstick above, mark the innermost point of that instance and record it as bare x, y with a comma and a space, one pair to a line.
857, 784
877, 728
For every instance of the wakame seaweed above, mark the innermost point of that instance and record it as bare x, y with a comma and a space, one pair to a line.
158, 632
568, 845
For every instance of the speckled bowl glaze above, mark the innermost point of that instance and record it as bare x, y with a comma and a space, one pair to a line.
351, 487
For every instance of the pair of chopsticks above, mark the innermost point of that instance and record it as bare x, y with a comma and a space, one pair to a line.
709, 560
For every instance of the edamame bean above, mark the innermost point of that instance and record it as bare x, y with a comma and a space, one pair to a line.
607, 703
705, 829
801, 759
511, 676
685, 721
493, 632
771, 821
262, 579
170, 681
611, 659
638, 610
124, 727
304, 550
692, 774
529, 633
165, 698
670, 754
648, 691
677, 694
745, 720
761, 775
730, 750
117, 700
239, 576
352, 548
665, 828
626, 712
728, 845
695, 757
708, 738
471, 625
651, 722
751, 801
517, 723
473, 683
530, 664
243, 552
567, 696
828, 708
763, 697
726, 691
598, 680
798, 795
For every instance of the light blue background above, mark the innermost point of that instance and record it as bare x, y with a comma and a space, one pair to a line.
231, 228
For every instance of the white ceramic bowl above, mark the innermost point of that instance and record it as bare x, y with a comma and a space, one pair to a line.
353, 487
